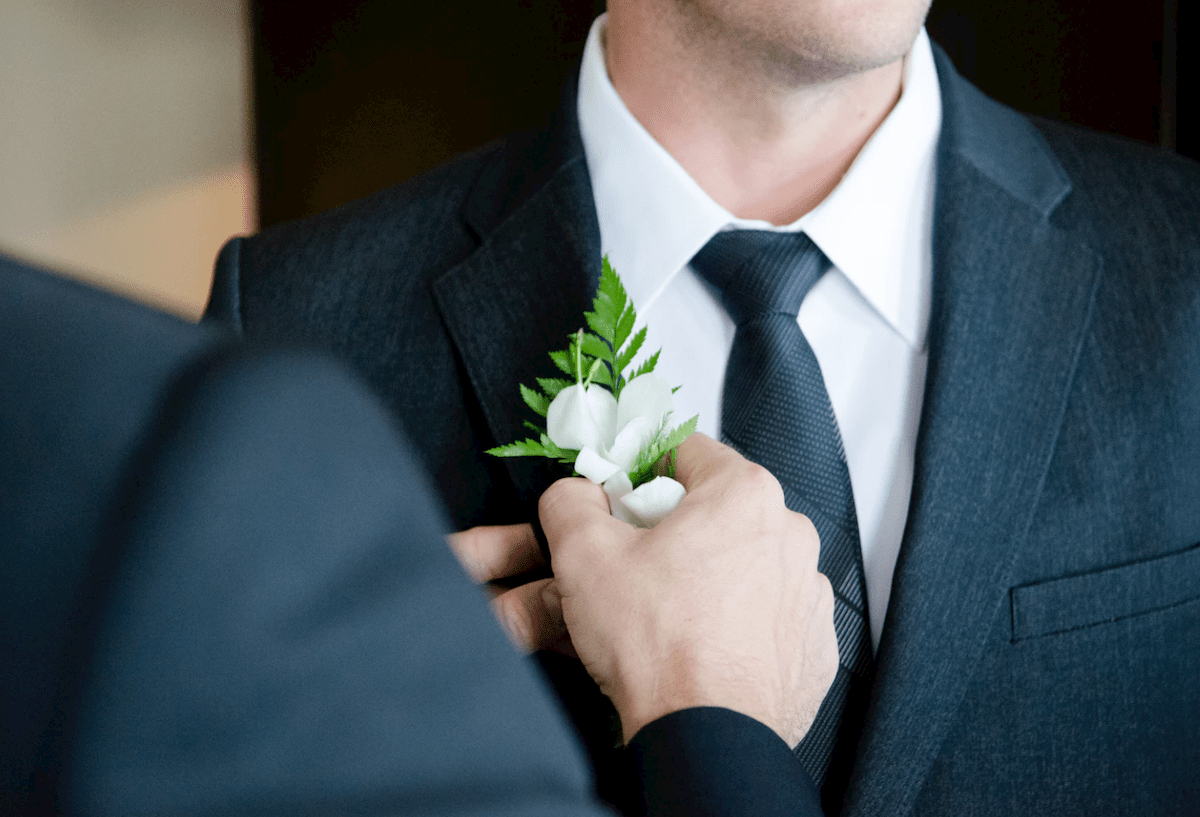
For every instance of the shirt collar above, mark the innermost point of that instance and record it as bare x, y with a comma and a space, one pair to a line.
875, 226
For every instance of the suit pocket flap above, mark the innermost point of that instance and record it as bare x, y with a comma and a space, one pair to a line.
1073, 602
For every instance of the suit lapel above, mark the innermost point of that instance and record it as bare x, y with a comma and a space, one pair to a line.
1012, 299
1012, 296
518, 296
525, 288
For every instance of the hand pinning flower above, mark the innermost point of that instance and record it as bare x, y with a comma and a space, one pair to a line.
612, 429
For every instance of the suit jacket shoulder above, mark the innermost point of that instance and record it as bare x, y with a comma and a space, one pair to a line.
356, 281
312, 269
325, 264
1054, 495
362, 281
1130, 194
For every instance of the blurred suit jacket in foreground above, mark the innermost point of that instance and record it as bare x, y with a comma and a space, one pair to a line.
225, 591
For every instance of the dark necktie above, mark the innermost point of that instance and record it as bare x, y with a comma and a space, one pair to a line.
776, 412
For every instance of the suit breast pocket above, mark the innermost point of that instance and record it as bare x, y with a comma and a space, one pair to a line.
1103, 596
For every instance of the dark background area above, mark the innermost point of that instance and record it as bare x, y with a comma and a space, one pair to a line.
354, 96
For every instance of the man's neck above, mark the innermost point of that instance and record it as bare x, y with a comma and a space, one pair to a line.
762, 147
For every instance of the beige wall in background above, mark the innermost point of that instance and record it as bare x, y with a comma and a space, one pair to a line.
124, 140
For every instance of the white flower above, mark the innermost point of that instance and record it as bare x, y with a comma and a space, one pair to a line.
609, 435
646, 505
582, 417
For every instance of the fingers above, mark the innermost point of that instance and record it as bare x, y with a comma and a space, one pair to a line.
496, 552
724, 486
531, 615
696, 456
570, 505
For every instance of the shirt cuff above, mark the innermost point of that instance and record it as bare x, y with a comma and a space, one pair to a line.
710, 761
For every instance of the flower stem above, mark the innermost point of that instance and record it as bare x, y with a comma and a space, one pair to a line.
579, 358
592, 372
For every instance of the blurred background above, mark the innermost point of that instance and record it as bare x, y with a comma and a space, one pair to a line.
125, 140
136, 136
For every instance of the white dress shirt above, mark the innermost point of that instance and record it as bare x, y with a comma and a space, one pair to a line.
865, 320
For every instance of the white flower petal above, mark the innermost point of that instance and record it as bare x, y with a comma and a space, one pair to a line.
646, 396
590, 464
636, 435
617, 486
651, 502
581, 418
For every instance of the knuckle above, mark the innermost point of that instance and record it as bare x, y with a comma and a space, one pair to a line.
760, 485
808, 531
759, 478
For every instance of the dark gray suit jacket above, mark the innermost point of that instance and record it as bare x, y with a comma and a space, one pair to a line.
224, 590
1042, 643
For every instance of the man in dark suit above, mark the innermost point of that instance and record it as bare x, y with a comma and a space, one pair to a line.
226, 592
1030, 541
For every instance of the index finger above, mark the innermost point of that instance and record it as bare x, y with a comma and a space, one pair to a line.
490, 552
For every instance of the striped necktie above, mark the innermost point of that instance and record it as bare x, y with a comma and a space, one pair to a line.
776, 412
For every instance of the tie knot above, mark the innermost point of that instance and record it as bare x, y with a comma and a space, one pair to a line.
760, 271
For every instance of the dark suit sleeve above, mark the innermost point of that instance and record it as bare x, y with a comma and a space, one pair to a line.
713, 762
224, 299
287, 633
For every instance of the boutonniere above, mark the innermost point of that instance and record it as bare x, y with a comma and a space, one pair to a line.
614, 429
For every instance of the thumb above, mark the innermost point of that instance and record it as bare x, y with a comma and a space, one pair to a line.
569, 505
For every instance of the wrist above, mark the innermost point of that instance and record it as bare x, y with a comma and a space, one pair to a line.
676, 688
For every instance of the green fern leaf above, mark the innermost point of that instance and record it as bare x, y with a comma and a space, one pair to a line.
552, 450
603, 377
626, 356
537, 401
624, 327
612, 291
664, 445
596, 347
647, 365
563, 361
552, 385
679, 434
521, 448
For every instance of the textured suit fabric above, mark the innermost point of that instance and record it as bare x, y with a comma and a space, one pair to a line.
1042, 640
83, 379
225, 590
688, 756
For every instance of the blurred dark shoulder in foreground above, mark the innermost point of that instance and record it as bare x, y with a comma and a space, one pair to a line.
225, 589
